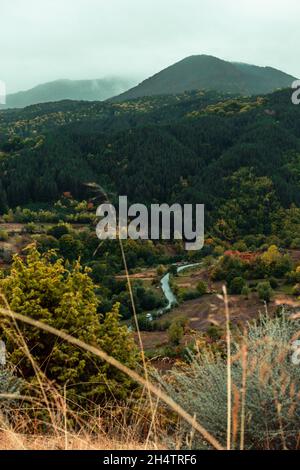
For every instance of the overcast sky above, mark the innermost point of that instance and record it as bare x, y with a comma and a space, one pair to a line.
43, 40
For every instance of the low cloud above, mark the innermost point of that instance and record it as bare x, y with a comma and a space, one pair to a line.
43, 40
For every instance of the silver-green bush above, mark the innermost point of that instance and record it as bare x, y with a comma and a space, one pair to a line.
10, 387
272, 410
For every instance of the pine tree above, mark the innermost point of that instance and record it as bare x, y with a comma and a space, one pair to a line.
42, 288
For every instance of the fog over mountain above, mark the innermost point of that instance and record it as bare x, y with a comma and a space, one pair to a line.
192, 73
83, 39
87, 90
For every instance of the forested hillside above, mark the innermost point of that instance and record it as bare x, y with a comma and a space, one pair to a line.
229, 153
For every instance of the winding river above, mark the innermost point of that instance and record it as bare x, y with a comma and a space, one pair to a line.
166, 288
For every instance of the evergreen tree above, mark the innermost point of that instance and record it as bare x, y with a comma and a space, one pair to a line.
42, 288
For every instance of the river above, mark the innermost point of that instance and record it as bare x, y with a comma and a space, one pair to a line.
168, 293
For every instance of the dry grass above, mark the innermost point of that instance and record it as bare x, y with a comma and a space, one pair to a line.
109, 427
153, 390
12, 441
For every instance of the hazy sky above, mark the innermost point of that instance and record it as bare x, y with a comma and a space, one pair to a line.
42, 40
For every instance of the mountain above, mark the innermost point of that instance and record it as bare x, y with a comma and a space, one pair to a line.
88, 90
210, 73
193, 73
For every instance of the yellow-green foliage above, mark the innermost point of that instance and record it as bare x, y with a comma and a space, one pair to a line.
42, 288
228, 107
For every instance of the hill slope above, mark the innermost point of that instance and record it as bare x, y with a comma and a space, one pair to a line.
210, 73
226, 153
88, 90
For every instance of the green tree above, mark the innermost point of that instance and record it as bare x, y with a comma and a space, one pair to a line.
265, 291
173, 270
70, 247
3, 235
46, 243
59, 230
236, 285
250, 204
296, 290
176, 332
160, 270
271, 256
202, 288
45, 290
246, 291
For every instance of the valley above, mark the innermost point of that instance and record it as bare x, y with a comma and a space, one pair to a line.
239, 156
149, 232
186, 294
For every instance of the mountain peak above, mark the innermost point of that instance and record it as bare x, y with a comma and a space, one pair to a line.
210, 73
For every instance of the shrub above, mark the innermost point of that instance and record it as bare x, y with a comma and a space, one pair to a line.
9, 385
70, 247
264, 291
273, 282
218, 250
228, 268
240, 246
275, 263
30, 227
293, 277
173, 270
176, 332
46, 243
160, 270
3, 235
236, 285
45, 290
6, 255
214, 332
150, 301
272, 381
185, 295
246, 291
295, 244
202, 288
296, 290
145, 323
59, 230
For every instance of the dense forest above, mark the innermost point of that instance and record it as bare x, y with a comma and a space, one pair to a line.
238, 156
